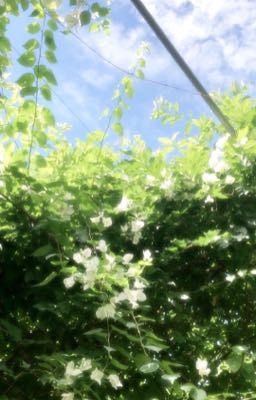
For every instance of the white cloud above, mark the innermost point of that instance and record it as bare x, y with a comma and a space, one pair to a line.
212, 36
96, 78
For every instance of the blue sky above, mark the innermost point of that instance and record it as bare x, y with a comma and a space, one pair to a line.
217, 39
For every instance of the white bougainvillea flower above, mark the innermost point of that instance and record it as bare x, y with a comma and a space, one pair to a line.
107, 311
124, 205
209, 178
115, 381
147, 256
102, 246
85, 364
229, 180
137, 225
202, 367
69, 282
67, 396
97, 375
127, 258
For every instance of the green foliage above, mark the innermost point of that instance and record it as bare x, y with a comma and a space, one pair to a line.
130, 273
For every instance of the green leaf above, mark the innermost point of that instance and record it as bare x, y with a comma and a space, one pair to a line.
12, 330
31, 44
102, 11
128, 86
24, 4
47, 280
118, 365
40, 161
34, 27
26, 79
5, 45
149, 368
50, 57
28, 91
118, 112
42, 251
85, 17
46, 93
27, 59
198, 394
171, 378
140, 74
52, 25
49, 40
234, 361
49, 76
118, 128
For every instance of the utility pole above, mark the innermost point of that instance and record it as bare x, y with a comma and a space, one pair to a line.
182, 64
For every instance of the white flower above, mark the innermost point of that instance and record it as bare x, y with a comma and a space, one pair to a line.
81, 256
115, 381
85, 364
209, 199
127, 258
167, 184
97, 375
216, 161
67, 396
92, 264
124, 205
134, 296
111, 262
107, 311
95, 220
88, 279
209, 178
138, 284
107, 222
69, 282
102, 246
229, 180
184, 297
230, 278
71, 370
86, 253
78, 258
150, 180
147, 256
137, 225
202, 367
220, 144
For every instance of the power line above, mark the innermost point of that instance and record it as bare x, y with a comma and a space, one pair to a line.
182, 64
127, 72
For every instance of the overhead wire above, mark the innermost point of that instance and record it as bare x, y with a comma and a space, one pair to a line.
126, 71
